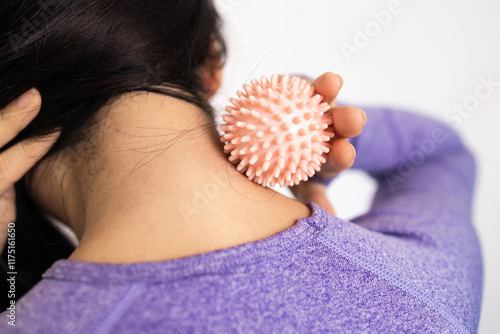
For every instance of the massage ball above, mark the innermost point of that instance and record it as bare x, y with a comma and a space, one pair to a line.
277, 131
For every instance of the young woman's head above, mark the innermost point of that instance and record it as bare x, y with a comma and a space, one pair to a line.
80, 55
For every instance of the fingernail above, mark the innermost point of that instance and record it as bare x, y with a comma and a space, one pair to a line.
341, 80
50, 139
353, 153
54, 135
25, 99
364, 116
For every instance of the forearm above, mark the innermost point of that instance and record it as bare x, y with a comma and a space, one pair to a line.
399, 142
425, 175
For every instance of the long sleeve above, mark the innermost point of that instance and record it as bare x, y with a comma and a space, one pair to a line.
423, 171
425, 179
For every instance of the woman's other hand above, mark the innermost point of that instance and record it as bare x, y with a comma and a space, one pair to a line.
20, 158
348, 122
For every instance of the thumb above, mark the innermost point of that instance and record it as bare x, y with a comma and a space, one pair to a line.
321, 199
311, 191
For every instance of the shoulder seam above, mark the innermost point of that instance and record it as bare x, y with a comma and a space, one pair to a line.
108, 321
410, 288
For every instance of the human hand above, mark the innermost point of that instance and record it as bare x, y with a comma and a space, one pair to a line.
348, 122
20, 158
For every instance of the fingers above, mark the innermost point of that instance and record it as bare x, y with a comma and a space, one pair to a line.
321, 199
7, 214
312, 192
340, 158
348, 122
328, 84
7, 208
18, 114
20, 158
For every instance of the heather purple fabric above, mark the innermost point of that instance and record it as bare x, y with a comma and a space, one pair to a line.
412, 264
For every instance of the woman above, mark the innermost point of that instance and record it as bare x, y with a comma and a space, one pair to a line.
171, 237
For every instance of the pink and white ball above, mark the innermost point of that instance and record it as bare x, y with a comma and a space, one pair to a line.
277, 131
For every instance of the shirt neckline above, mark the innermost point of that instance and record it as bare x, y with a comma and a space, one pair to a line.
196, 265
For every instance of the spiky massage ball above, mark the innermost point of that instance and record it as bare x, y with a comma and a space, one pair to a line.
277, 131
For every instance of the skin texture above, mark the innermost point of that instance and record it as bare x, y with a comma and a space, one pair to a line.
18, 159
152, 199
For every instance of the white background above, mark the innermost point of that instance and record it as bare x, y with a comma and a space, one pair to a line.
428, 58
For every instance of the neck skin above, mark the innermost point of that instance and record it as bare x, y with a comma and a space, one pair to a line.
156, 186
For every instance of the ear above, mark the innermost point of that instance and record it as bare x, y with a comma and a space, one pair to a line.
211, 71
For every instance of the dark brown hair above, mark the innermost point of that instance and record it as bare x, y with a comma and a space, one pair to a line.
79, 55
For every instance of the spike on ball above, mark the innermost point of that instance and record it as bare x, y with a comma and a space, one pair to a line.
277, 131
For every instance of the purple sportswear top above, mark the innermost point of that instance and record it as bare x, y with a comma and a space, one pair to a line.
412, 264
